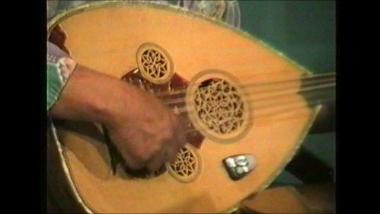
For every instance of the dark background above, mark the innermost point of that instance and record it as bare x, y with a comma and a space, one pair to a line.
305, 31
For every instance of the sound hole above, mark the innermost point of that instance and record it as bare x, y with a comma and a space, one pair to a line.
186, 166
219, 106
154, 63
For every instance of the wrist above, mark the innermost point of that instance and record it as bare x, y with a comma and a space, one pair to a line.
90, 96
113, 111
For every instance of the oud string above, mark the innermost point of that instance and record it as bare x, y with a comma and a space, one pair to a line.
285, 90
301, 92
295, 80
297, 108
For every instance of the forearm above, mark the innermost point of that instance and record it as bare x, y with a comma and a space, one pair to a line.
89, 96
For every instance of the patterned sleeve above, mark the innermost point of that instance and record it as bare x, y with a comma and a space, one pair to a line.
58, 69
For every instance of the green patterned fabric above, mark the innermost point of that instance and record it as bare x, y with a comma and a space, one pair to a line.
58, 70
54, 84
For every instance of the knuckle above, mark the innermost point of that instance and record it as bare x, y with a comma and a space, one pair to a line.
166, 135
169, 134
134, 166
143, 155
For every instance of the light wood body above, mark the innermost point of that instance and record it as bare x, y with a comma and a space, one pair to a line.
106, 39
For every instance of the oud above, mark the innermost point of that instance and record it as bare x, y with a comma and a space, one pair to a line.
247, 109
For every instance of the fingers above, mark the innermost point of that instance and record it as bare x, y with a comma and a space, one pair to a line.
154, 144
172, 154
171, 147
179, 139
133, 163
156, 161
167, 154
179, 133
